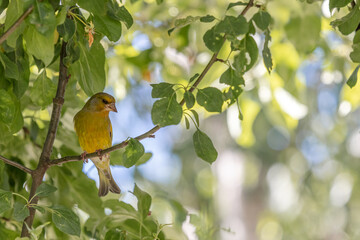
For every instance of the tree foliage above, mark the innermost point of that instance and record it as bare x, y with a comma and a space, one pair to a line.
55, 54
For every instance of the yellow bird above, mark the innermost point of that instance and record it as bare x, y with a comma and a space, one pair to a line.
94, 130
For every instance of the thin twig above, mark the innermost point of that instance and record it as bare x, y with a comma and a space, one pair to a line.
17, 165
59, 161
16, 24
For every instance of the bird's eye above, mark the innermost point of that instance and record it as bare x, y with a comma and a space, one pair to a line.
105, 102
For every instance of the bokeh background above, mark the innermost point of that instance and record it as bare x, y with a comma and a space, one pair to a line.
288, 170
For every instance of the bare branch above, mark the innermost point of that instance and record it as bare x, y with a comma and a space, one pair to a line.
17, 165
16, 24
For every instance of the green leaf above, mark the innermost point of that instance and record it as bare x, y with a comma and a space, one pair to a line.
39, 45
11, 69
66, 220
22, 66
187, 123
20, 211
115, 234
67, 29
144, 158
61, 15
162, 89
39, 208
119, 13
5, 200
204, 147
232, 26
193, 77
182, 22
213, 40
158, 2
355, 54
196, 115
351, 82
72, 52
180, 211
166, 111
189, 99
89, 70
232, 94
45, 190
144, 202
43, 91
232, 78
348, 23
43, 18
207, 18
7, 107
133, 152
266, 52
247, 56
305, 27
338, 4
3, 5
14, 11
93, 6
262, 19
210, 98
108, 26
231, 5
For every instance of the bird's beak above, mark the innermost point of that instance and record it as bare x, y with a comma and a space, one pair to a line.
112, 107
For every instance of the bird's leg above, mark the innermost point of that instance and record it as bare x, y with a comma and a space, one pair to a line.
83, 157
99, 153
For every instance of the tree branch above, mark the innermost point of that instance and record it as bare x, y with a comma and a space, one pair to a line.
17, 165
43, 165
16, 24
123, 144
149, 133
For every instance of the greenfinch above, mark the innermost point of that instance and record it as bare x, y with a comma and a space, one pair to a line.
94, 130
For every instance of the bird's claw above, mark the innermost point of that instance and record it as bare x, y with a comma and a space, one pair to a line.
99, 153
83, 157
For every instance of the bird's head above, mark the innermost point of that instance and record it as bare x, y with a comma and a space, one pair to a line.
101, 102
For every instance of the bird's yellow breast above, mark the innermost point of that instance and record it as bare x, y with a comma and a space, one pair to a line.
93, 129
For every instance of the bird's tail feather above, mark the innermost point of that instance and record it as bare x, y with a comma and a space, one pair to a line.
107, 182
